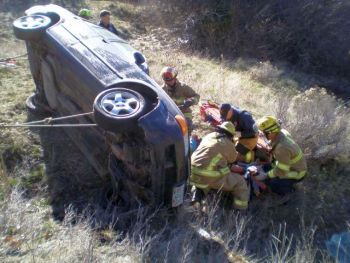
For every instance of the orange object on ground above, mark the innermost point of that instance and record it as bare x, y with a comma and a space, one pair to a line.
210, 112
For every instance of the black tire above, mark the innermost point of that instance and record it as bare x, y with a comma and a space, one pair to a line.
123, 119
36, 108
31, 28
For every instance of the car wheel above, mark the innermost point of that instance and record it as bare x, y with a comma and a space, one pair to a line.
118, 109
50, 91
31, 27
36, 108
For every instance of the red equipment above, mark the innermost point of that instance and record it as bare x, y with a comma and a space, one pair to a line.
210, 112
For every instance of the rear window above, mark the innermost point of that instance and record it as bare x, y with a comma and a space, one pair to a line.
107, 35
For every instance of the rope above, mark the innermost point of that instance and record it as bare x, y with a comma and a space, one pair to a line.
47, 123
50, 119
6, 59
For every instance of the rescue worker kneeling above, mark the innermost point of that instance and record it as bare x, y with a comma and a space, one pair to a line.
210, 165
246, 126
289, 166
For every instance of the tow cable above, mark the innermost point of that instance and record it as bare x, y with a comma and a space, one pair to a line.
10, 62
11, 58
48, 123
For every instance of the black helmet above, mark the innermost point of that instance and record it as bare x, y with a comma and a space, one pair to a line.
224, 109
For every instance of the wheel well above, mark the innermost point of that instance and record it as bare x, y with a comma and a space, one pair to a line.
143, 89
55, 18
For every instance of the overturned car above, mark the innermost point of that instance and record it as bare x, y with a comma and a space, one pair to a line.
141, 141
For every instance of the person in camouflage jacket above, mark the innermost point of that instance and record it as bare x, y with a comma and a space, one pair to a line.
183, 95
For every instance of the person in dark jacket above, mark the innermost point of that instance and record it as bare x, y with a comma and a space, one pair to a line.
246, 126
105, 21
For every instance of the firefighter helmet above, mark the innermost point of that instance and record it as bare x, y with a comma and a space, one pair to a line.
85, 13
224, 110
269, 124
168, 73
228, 126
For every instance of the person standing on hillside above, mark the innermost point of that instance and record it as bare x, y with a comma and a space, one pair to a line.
289, 166
245, 124
210, 166
183, 95
105, 22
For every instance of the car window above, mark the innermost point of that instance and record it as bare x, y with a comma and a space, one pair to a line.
127, 47
113, 50
107, 35
84, 30
80, 30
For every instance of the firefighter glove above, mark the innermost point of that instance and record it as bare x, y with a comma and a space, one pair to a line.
188, 103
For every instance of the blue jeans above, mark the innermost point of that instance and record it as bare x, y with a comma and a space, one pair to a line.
281, 186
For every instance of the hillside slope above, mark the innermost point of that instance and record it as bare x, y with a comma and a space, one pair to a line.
32, 164
313, 35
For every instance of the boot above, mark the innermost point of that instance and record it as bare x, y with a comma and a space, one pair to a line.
197, 195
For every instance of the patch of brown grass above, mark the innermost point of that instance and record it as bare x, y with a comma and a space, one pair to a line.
28, 233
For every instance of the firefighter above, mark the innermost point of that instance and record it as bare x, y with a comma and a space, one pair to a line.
85, 13
105, 22
245, 124
210, 165
289, 166
183, 95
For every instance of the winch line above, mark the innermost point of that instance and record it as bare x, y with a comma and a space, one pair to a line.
48, 123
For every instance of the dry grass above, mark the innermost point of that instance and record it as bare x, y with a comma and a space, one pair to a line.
320, 123
317, 119
29, 234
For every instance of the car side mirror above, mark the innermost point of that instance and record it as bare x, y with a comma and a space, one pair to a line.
139, 58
